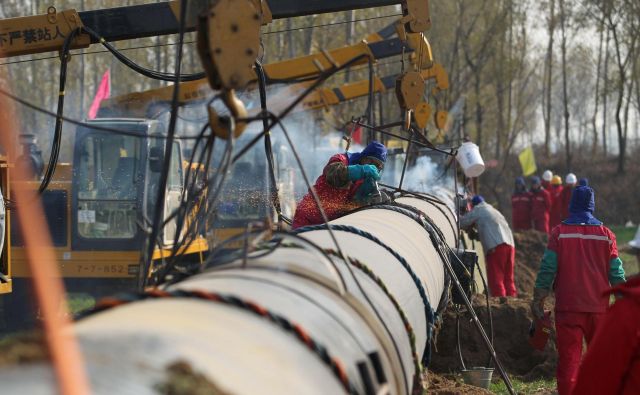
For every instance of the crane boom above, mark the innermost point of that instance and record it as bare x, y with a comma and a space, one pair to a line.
46, 33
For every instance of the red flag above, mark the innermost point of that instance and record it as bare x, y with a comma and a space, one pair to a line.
104, 90
355, 131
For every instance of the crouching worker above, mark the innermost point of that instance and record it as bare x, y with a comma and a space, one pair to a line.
497, 241
580, 263
347, 182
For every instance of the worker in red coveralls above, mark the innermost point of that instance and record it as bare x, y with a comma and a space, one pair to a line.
570, 182
521, 206
580, 263
346, 183
547, 177
497, 242
612, 363
555, 214
540, 206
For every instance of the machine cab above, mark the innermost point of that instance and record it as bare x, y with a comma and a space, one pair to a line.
116, 181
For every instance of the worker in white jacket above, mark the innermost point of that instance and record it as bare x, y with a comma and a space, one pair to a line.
498, 245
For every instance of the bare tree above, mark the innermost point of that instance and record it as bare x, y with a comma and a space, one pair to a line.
565, 97
546, 112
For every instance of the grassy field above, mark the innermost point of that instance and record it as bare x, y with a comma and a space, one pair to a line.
525, 388
623, 236
79, 302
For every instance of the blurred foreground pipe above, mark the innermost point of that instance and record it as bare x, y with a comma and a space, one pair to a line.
45, 274
280, 324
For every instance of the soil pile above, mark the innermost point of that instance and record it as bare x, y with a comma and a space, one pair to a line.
530, 247
182, 379
511, 322
441, 385
23, 348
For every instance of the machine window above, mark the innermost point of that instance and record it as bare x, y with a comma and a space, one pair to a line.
175, 170
108, 186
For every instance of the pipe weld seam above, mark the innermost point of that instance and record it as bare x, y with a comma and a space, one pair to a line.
424, 221
403, 316
428, 311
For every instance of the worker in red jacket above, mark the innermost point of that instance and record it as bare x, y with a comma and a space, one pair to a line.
540, 206
570, 182
612, 363
555, 214
547, 176
521, 206
580, 263
346, 183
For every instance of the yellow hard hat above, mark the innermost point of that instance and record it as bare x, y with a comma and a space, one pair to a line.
556, 180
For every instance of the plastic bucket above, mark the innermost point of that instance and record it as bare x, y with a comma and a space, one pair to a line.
470, 159
478, 377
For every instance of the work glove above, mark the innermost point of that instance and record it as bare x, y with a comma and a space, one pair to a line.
366, 191
358, 172
473, 234
537, 304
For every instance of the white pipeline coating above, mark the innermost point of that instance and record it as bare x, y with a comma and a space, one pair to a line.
128, 348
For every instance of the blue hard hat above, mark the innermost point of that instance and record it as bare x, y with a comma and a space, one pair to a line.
476, 200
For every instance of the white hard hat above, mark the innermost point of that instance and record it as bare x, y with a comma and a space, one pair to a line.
547, 175
571, 179
635, 243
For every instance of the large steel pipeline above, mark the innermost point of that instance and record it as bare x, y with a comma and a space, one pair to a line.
302, 317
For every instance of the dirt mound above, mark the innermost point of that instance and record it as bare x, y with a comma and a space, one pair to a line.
530, 246
23, 348
511, 326
441, 385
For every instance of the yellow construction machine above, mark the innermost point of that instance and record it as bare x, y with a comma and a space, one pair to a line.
99, 206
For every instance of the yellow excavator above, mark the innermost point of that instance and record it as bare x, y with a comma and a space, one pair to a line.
98, 207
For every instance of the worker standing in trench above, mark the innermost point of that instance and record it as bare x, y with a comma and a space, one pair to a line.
555, 213
497, 243
570, 182
347, 182
521, 206
579, 264
547, 177
540, 206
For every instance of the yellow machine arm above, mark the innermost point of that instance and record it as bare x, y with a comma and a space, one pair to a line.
325, 97
140, 104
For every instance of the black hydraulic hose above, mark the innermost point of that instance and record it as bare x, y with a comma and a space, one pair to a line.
57, 135
162, 186
469, 306
268, 148
489, 312
459, 343
157, 75
406, 161
438, 241
370, 104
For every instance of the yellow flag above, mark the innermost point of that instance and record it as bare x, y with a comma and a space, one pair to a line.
527, 161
